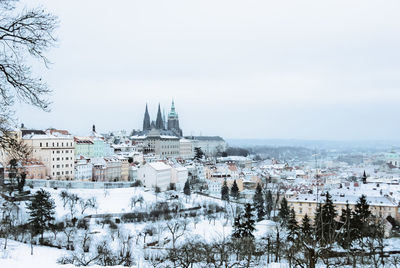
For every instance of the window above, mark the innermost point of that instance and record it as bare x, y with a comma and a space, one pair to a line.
40, 144
47, 144
58, 166
58, 159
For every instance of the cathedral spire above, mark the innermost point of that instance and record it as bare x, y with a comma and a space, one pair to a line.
146, 120
163, 119
172, 112
159, 121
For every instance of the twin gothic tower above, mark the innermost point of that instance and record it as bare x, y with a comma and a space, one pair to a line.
170, 127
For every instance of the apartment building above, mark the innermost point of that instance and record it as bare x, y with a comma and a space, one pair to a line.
113, 169
56, 152
186, 150
83, 169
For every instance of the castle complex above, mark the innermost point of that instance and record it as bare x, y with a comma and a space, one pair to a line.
170, 127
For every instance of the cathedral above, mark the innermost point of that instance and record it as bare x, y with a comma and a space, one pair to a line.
170, 127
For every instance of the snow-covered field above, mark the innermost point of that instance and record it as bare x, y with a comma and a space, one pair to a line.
118, 201
206, 228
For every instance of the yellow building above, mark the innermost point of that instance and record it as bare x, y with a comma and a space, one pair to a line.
307, 204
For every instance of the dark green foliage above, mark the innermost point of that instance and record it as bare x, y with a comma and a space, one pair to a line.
306, 230
172, 186
346, 224
157, 190
284, 212
292, 226
137, 183
258, 201
235, 190
41, 210
325, 222
186, 188
364, 178
292, 240
198, 153
237, 151
244, 224
361, 217
225, 191
268, 204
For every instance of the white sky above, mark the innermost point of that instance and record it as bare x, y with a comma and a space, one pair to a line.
239, 69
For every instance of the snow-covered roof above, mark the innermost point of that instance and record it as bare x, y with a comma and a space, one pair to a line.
343, 199
159, 166
181, 169
46, 137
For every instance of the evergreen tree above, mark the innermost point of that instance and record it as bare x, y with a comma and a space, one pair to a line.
284, 212
258, 201
318, 221
186, 188
225, 191
244, 224
361, 217
249, 223
306, 230
268, 204
292, 226
41, 211
198, 153
346, 226
292, 237
325, 221
235, 190
237, 226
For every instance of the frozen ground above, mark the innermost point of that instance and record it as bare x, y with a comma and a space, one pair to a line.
118, 201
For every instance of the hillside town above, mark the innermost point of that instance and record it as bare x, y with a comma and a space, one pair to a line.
160, 157
199, 134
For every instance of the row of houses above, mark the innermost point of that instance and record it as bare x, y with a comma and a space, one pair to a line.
56, 154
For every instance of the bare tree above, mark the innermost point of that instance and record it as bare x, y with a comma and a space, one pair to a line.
177, 228
87, 203
24, 35
136, 199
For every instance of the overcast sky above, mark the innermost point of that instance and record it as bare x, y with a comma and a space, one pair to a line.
239, 69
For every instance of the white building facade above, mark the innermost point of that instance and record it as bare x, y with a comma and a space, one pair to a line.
156, 174
56, 152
